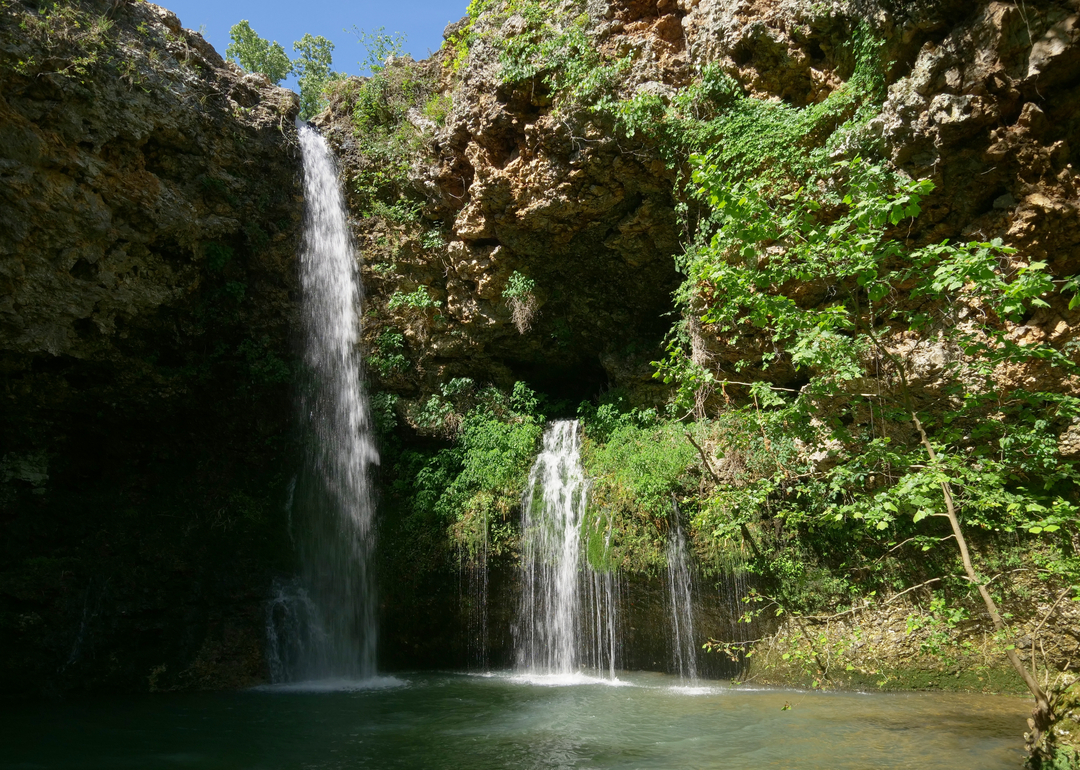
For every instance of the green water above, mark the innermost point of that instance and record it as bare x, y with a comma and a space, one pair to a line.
458, 721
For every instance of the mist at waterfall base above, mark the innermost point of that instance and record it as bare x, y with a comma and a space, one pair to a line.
323, 624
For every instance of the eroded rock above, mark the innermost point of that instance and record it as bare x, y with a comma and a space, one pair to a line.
150, 211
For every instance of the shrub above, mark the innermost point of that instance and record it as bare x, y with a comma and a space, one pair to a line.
519, 295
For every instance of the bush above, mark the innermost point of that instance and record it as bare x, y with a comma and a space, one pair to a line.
637, 463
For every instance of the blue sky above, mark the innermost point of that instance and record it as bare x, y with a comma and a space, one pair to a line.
422, 22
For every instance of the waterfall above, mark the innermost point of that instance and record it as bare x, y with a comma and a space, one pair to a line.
733, 587
568, 610
473, 601
323, 624
680, 599
602, 598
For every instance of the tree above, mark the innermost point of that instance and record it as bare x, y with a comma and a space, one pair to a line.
313, 72
257, 55
379, 47
978, 450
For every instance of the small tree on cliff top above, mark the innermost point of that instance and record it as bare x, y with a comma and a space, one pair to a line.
313, 72
255, 54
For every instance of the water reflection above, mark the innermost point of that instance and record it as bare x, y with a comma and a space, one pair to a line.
508, 721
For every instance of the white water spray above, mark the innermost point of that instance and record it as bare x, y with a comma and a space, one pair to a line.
680, 600
333, 606
568, 610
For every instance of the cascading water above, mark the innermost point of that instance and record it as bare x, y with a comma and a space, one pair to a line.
680, 600
733, 588
568, 610
602, 597
323, 625
473, 601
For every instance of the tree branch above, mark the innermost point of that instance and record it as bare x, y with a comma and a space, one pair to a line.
716, 477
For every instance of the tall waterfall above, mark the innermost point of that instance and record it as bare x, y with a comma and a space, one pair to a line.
568, 615
324, 624
680, 601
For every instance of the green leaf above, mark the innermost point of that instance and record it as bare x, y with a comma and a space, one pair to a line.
878, 292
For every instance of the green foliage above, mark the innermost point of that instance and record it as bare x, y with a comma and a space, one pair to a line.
235, 289
218, 255
691, 119
313, 72
385, 98
378, 48
518, 286
553, 50
439, 413
1064, 758
388, 142
384, 414
495, 459
418, 299
473, 488
519, 294
433, 240
75, 43
463, 40
637, 463
265, 367
750, 137
389, 354
255, 54
562, 56
743, 285
859, 470
771, 139
438, 107
940, 621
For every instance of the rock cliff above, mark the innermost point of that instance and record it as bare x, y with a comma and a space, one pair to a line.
506, 177
150, 207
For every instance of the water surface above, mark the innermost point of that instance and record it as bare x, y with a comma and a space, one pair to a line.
504, 721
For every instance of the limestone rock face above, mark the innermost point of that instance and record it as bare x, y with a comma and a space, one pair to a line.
512, 186
980, 100
111, 189
987, 111
150, 211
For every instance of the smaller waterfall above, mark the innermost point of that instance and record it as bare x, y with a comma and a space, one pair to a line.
680, 599
603, 594
568, 610
733, 587
473, 601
